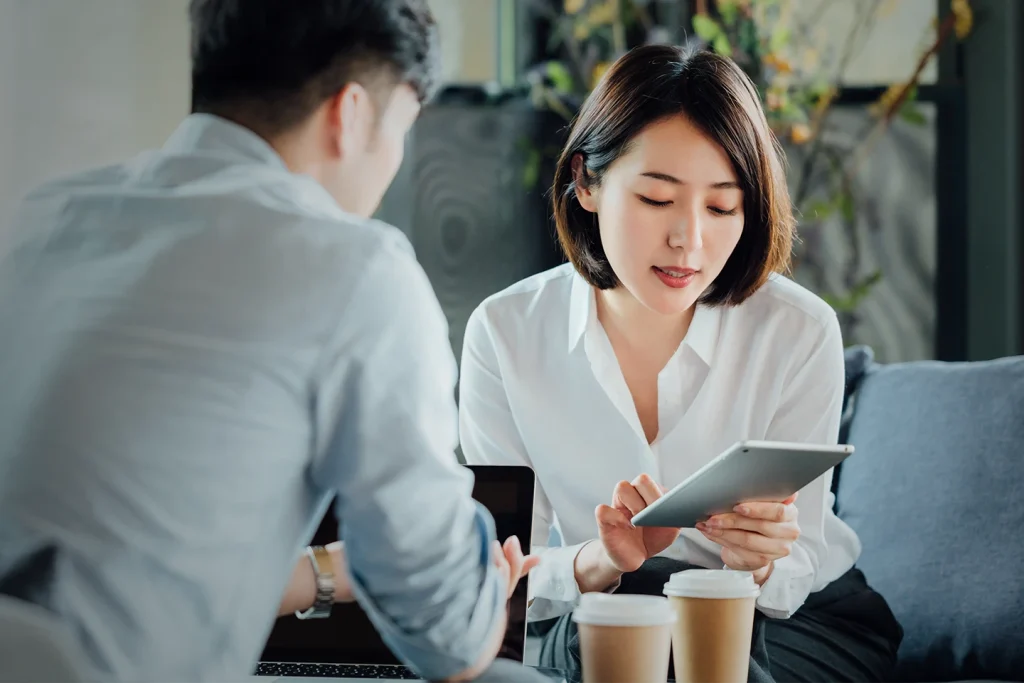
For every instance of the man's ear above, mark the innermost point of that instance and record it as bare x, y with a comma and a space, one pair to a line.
584, 193
350, 114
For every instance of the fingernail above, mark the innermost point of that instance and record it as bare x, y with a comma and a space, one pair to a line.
701, 526
742, 509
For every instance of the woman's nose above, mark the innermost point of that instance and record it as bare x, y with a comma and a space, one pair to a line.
686, 233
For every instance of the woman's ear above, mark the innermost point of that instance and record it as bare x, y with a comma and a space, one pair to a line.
584, 193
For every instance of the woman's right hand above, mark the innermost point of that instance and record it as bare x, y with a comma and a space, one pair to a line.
626, 546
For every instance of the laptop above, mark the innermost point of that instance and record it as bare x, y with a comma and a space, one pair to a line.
346, 645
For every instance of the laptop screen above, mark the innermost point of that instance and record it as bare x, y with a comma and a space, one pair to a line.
348, 637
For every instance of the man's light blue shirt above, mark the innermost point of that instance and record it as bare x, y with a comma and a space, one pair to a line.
197, 349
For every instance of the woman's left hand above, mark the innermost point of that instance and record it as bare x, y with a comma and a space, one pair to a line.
754, 535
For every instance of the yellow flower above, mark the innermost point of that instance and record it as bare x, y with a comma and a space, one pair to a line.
964, 18
599, 70
778, 63
800, 133
603, 12
573, 6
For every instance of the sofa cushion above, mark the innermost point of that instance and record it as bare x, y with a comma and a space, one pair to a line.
935, 490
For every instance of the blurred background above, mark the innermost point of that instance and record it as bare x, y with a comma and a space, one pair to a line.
903, 121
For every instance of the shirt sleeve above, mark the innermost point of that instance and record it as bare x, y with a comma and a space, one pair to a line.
417, 545
809, 412
489, 436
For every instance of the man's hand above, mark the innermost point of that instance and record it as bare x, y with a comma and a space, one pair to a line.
627, 546
755, 535
511, 562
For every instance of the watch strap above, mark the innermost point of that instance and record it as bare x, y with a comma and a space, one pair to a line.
323, 572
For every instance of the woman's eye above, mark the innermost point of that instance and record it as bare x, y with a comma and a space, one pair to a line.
652, 202
722, 212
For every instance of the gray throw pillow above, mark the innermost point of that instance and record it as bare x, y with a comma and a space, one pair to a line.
935, 490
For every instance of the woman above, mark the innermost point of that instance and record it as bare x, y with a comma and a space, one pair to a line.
669, 337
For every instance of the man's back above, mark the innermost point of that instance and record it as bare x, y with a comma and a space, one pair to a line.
174, 389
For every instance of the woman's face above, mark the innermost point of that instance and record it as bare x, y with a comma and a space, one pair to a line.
670, 213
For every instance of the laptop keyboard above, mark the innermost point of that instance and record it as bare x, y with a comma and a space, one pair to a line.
335, 670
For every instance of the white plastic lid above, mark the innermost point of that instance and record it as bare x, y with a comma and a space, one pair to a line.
721, 584
602, 609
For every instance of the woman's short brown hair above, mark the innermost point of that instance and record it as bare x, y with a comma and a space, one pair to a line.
647, 85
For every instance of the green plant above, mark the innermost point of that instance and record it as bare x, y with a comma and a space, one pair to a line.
798, 88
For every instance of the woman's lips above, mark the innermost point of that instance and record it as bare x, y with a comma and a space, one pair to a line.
677, 278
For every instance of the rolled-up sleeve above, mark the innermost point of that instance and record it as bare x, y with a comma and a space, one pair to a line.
808, 413
418, 546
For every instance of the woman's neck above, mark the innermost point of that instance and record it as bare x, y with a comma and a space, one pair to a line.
627, 320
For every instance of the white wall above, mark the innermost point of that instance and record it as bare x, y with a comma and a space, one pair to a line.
889, 52
85, 82
88, 82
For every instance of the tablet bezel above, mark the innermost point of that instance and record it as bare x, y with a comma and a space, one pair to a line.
747, 471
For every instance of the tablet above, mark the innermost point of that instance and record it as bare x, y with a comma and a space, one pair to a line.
749, 471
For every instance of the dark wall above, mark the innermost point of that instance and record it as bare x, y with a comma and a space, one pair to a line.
992, 71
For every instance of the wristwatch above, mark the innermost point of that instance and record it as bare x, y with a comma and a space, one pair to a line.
324, 574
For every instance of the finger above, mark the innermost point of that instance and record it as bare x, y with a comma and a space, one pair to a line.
743, 561
786, 530
647, 489
529, 562
512, 545
791, 499
628, 498
514, 554
500, 561
772, 512
608, 516
746, 541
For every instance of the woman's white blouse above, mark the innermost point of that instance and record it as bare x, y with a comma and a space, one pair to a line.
541, 387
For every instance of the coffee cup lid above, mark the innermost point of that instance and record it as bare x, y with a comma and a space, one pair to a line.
603, 609
722, 584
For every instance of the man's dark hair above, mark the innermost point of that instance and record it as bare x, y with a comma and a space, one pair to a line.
650, 84
274, 62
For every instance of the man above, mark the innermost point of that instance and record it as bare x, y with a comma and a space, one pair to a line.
203, 345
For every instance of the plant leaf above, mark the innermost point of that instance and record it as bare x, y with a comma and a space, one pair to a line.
721, 45
847, 207
820, 209
913, 115
779, 39
749, 42
706, 27
531, 168
560, 77
729, 10
848, 302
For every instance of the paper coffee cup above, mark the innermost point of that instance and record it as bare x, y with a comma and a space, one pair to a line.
714, 624
624, 637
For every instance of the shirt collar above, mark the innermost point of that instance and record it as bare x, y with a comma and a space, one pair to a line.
209, 133
582, 307
702, 336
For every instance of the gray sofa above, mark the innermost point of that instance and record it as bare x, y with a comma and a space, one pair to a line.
935, 490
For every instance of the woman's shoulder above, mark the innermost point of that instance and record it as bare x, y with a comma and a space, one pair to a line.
795, 307
533, 300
